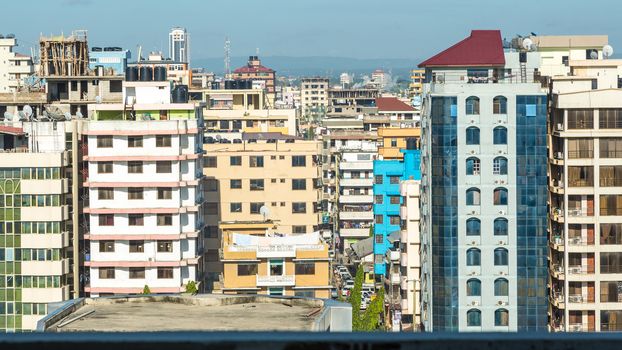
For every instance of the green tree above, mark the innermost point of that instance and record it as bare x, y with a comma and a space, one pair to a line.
191, 287
146, 290
374, 312
355, 300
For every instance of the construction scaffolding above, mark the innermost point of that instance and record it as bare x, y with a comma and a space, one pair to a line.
64, 56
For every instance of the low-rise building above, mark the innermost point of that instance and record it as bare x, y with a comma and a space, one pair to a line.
113, 59
392, 140
261, 76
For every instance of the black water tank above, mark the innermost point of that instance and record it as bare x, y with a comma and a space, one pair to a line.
228, 84
96, 49
131, 74
159, 73
411, 143
522, 57
146, 73
107, 49
234, 84
244, 84
180, 94
215, 85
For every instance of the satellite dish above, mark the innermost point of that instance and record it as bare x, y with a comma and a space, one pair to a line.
22, 115
527, 44
79, 114
594, 54
8, 116
607, 51
67, 115
218, 137
27, 111
265, 212
98, 99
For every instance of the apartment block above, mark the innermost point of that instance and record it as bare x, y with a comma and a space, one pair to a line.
391, 141
585, 192
314, 97
556, 51
14, 67
484, 202
261, 77
259, 262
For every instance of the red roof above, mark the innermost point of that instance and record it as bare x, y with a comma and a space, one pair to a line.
11, 130
253, 69
481, 48
392, 104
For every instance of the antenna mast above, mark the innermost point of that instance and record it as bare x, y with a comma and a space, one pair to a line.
227, 57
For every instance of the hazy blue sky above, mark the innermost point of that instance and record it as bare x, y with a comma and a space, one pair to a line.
347, 28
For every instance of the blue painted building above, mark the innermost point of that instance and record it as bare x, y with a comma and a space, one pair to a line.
387, 198
109, 57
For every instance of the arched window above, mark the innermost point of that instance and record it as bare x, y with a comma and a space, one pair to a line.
472, 105
501, 227
474, 318
473, 196
472, 136
474, 257
500, 135
472, 166
502, 317
500, 196
500, 105
501, 287
474, 287
500, 166
501, 257
473, 227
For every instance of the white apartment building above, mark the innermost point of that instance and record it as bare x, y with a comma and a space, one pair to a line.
14, 67
314, 97
556, 51
410, 258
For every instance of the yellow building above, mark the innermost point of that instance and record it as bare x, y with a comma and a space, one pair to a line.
260, 262
392, 140
416, 81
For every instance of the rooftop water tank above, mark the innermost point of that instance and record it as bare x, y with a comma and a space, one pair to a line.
146, 73
131, 74
159, 73
180, 94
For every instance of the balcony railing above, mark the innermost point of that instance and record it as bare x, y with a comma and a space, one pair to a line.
579, 270
581, 154
576, 298
282, 280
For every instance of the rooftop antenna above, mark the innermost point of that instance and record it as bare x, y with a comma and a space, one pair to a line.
227, 57
265, 212
256, 51
607, 51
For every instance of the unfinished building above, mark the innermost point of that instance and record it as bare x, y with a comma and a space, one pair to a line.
64, 56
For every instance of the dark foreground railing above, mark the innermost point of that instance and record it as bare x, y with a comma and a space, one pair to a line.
311, 341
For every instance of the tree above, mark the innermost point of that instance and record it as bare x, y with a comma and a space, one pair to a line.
355, 300
146, 290
375, 310
191, 287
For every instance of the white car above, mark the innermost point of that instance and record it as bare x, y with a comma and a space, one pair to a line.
348, 284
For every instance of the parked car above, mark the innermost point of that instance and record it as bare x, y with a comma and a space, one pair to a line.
333, 293
348, 284
345, 292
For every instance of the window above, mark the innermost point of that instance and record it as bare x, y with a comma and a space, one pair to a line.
394, 180
472, 105
135, 193
610, 118
580, 148
610, 205
500, 105
473, 196
104, 167
236, 207
379, 239
106, 246
378, 199
134, 141
136, 219
304, 293
106, 273
247, 269
299, 161
611, 176
105, 193
473, 257
580, 119
473, 227
134, 167
163, 140
257, 184
165, 246
378, 179
235, 160
211, 208
165, 193
472, 136
255, 207
210, 162
609, 292
472, 166
580, 176
164, 220
164, 167
137, 246
299, 184
299, 228
104, 141
394, 199
299, 207
393, 142
500, 196
502, 287
610, 262
474, 287
275, 267
501, 257
610, 233
115, 86
106, 219
137, 272
500, 227
256, 161
394, 220
500, 166
165, 272
610, 147
379, 219
305, 268
211, 185
235, 184
474, 318
502, 317
500, 135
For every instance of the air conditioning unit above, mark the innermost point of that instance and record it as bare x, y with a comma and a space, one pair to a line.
560, 127
559, 155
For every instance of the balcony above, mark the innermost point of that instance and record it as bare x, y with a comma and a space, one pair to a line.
404, 259
354, 232
356, 215
394, 255
356, 165
557, 243
557, 214
557, 271
578, 212
347, 198
557, 299
577, 327
276, 281
284, 251
579, 270
395, 279
577, 298
557, 186
356, 182
579, 241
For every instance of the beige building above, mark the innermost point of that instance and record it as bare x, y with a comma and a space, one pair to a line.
273, 171
261, 262
585, 182
14, 67
314, 97
556, 51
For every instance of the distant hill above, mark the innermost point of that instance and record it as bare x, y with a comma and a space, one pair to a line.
316, 65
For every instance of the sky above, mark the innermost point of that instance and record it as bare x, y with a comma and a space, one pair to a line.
412, 29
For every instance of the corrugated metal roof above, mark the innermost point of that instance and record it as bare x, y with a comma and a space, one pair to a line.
482, 48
